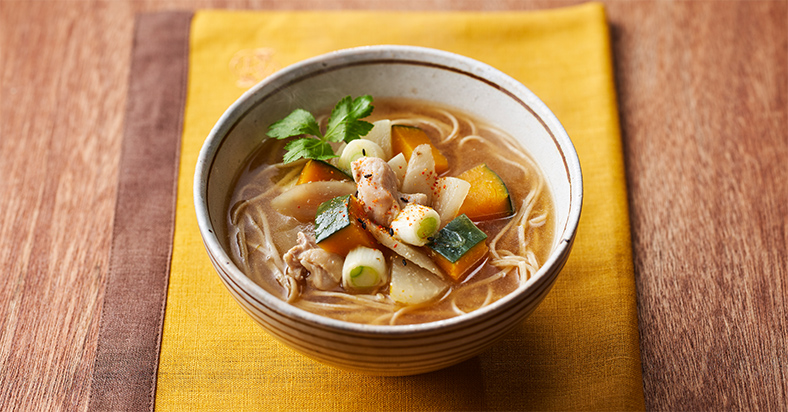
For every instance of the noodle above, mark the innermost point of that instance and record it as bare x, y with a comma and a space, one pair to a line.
457, 310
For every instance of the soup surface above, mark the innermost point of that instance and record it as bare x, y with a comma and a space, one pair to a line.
517, 244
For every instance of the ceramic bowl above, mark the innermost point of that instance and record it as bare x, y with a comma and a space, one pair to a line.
387, 71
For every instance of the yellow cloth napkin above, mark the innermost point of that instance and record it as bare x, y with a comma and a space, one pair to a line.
580, 348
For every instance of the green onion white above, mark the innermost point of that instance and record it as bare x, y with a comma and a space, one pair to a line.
356, 149
415, 224
364, 270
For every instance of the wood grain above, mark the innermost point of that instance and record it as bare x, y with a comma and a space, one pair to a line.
703, 95
703, 89
62, 99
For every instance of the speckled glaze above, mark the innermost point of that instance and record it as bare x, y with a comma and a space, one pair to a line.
387, 71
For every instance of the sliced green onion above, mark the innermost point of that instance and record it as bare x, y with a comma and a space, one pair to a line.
427, 227
364, 270
356, 149
415, 224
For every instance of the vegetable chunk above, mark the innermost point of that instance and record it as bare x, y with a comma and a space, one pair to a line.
405, 139
399, 165
420, 175
448, 197
339, 227
458, 247
381, 134
412, 285
488, 197
320, 171
302, 201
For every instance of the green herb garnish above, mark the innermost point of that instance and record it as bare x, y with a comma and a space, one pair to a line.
343, 125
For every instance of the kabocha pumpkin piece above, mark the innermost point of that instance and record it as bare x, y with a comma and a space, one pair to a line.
319, 171
404, 139
458, 247
339, 227
488, 197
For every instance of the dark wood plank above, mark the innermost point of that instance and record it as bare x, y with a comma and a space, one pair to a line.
703, 87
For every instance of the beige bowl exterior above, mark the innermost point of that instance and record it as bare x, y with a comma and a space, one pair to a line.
387, 71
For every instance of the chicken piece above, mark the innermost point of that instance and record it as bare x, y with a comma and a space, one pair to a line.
324, 269
376, 185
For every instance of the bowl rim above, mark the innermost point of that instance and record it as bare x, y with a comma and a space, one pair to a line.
377, 54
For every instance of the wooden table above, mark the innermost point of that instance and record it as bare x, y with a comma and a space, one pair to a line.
703, 94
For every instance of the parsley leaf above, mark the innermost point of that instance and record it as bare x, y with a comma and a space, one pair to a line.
298, 122
343, 125
308, 148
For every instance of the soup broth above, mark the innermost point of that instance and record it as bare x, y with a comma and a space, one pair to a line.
518, 244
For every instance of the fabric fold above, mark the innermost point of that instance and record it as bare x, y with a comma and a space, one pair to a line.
124, 371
